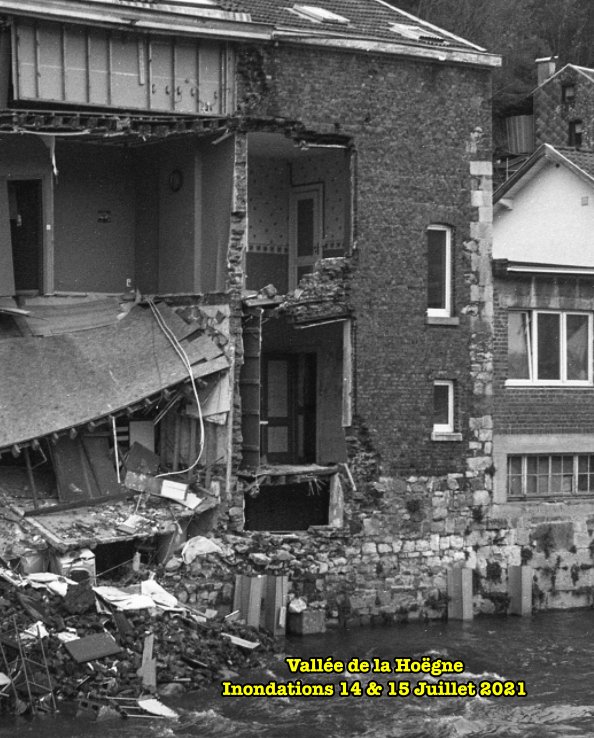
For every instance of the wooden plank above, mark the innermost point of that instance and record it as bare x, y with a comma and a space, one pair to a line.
101, 461
148, 670
275, 604
248, 598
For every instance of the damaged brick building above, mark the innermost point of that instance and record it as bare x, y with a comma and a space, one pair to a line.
246, 248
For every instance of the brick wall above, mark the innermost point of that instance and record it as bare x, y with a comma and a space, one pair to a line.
415, 126
521, 410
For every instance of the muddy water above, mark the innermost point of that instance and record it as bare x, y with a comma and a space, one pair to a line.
552, 653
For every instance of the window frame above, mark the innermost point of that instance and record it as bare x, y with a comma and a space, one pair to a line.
532, 351
446, 311
441, 428
568, 92
550, 475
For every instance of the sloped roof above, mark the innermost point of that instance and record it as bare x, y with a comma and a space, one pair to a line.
579, 162
366, 18
583, 160
364, 21
52, 383
584, 71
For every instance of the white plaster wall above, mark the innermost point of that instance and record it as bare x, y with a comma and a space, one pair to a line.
548, 223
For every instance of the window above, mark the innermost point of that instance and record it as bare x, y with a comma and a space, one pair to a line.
568, 93
575, 135
551, 348
550, 475
443, 407
416, 33
439, 271
318, 15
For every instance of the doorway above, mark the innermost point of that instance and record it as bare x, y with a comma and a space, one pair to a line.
25, 213
305, 230
289, 408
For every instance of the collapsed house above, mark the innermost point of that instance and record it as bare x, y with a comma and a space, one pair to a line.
246, 287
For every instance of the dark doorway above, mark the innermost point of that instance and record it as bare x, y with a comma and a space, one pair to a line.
289, 408
24, 202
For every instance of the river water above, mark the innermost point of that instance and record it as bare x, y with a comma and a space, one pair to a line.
552, 653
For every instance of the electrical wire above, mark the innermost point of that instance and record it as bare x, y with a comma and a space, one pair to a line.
186, 362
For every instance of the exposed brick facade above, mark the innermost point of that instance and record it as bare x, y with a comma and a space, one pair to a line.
415, 126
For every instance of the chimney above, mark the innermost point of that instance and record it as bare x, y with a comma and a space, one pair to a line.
545, 68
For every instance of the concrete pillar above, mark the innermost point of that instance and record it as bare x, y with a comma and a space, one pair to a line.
520, 589
460, 594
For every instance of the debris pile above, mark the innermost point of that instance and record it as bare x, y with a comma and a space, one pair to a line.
105, 645
321, 295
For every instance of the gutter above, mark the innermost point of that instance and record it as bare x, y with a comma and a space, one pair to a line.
505, 268
441, 54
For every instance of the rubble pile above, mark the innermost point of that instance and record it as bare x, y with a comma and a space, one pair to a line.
322, 294
41, 628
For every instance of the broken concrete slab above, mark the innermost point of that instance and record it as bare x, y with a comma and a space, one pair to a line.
93, 647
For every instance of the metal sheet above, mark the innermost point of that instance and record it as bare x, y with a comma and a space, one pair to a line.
66, 63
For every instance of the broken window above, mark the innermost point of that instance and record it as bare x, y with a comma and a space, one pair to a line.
533, 475
443, 406
549, 347
439, 271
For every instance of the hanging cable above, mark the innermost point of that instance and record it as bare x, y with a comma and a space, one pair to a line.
186, 362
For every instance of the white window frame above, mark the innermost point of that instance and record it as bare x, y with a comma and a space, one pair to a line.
446, 311
532, 347
443, 427
575, 492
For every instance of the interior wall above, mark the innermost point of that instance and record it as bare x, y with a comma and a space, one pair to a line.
179, 216
332, 170
269, 186
146, 251
267, 259
94, 212
326, 342
217, 194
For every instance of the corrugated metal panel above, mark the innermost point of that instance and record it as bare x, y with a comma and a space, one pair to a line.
64, 63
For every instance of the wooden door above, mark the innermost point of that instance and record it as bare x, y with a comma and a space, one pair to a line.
289, 408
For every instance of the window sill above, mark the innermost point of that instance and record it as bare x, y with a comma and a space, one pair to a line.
449, 437
441, 320
517, 383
